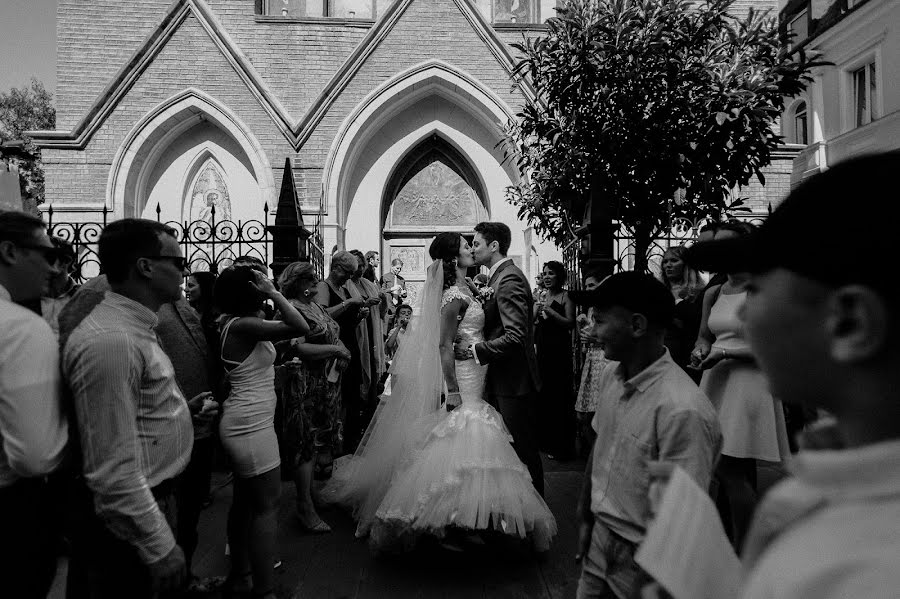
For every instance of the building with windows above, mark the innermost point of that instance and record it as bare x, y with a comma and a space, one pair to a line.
390, 112
852, 106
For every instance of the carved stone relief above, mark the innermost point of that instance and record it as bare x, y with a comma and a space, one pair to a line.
436, 196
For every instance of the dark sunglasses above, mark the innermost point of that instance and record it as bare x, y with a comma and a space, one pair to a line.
50, 253
180, 262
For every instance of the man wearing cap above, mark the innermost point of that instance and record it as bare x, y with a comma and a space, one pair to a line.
649, 410
822, 316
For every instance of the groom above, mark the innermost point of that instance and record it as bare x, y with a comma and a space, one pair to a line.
508, 350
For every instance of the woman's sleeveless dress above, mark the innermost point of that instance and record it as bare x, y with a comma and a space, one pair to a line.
247, 428
553, 343
463, 472
752, 421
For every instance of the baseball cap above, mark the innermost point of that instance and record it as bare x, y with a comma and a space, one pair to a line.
641, 293
837, 227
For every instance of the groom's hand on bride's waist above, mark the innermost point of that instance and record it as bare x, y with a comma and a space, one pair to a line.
463, 352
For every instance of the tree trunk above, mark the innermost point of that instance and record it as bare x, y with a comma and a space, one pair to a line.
642, 242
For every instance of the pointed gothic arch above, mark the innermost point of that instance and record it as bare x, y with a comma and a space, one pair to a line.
148, 140
416, 85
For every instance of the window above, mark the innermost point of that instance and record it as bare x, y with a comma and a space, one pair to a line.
513, 12
343, 9
800, 124
798, 28
865, 95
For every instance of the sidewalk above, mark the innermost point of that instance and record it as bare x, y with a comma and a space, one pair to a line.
338, 566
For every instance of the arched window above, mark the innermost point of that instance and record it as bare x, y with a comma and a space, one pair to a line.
801, 124
209, 191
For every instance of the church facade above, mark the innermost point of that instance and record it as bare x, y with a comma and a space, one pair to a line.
390, 111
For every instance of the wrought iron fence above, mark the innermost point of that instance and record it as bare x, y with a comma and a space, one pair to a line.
682, 232
209, 245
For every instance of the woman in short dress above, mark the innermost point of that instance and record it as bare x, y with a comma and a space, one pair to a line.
752, 421
247, 429
594, 363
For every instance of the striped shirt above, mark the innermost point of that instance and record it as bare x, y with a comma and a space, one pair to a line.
33, 431
133, 421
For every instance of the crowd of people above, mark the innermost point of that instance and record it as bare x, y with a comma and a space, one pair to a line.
117, 395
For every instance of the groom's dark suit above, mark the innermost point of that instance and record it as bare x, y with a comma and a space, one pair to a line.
508, 351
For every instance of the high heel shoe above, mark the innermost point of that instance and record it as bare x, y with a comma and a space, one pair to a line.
319, 527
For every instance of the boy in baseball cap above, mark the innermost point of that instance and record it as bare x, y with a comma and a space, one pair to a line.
823, 320
648, 410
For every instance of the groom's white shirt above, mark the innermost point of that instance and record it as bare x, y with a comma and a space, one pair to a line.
491, 272
494, 268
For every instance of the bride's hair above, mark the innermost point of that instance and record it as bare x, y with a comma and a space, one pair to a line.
445, 247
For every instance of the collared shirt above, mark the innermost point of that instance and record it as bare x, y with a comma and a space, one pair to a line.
33, 430
658, 414
831, 530
133, 420
52, 306
496, 266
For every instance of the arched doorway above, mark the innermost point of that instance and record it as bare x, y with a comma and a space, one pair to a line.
433, 189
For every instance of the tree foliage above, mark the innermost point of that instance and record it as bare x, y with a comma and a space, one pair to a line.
647, 102
29, 108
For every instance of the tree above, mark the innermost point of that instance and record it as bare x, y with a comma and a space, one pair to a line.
28, 108
660, 107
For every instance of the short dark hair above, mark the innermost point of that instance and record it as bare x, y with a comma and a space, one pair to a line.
499, 232
396, 261
371, 254
124, 241
233, 294
19, 227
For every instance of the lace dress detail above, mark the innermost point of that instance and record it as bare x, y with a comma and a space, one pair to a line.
461, 470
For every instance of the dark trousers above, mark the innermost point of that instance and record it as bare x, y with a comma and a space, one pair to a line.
519, 415
191, 493
102, 565
30, 531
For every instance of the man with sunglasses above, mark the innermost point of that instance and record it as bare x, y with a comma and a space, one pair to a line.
133, 421
33, 430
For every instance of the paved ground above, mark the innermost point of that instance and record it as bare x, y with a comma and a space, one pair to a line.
338, 566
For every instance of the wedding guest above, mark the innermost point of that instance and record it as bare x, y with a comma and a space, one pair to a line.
310, 382
394, 285
133, 421
752, 421
33, 429
554, 321
62, 286
186, 341
649, 410
247, 427
594, 363
372, 263
825, 334
392, 343
348, 311
374, 324
687, 287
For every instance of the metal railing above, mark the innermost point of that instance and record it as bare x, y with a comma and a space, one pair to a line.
209, 245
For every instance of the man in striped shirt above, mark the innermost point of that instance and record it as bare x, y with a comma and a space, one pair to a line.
133, 422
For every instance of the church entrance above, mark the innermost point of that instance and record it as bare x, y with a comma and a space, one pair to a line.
433, 189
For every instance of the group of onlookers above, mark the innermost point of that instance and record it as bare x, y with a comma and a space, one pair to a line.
116, 394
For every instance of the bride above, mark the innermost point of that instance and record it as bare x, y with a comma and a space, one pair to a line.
421, 469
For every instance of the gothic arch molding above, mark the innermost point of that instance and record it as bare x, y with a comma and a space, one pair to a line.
429, 79
150, 137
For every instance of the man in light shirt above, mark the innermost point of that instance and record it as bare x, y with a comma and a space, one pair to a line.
134, 424
649, 410
33, 430
822, 316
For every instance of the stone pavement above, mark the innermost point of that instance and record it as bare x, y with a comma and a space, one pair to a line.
338, 566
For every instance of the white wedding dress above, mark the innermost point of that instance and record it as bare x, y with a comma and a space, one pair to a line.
459, 468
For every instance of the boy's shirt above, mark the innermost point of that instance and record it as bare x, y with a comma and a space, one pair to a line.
659, 414
831, 530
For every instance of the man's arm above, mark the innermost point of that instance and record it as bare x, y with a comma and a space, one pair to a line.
32, 426
685, 439
512, 303
105, 378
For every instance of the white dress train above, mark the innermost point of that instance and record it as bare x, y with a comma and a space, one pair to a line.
460, 470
